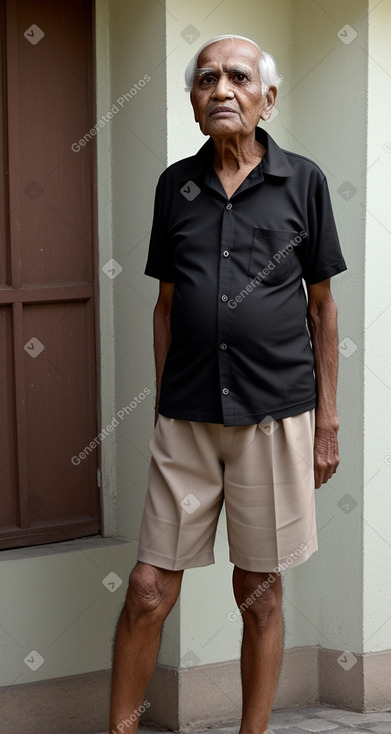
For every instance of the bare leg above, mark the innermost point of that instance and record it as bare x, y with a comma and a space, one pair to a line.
261, 646
151, 595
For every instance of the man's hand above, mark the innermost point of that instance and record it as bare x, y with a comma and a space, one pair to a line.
326, 456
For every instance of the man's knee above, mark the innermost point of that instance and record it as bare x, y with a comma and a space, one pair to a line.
143, 590
151, 590
261, 597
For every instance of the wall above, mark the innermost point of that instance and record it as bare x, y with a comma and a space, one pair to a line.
341, 98
322, 114
138, 156
317, 105
58, 616
311, 105
324, 596
376, 330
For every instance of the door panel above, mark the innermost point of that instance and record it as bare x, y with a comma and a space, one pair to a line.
59, 408
47, 319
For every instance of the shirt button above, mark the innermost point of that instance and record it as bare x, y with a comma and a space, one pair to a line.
225, 391
223, 346
225, 253
229, 207
224, 299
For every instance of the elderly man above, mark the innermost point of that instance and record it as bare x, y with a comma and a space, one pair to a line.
245, 329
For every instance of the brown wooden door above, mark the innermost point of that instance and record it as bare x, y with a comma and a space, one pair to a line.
47, 325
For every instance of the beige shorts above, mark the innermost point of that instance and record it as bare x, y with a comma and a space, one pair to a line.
264, 474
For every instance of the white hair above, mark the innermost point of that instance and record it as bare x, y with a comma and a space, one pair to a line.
267, 65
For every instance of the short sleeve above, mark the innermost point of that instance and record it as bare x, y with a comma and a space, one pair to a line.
321, 252
160, 261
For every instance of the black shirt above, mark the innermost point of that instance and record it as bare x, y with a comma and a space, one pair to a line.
241, 350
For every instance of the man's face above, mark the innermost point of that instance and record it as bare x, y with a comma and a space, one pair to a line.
227, 93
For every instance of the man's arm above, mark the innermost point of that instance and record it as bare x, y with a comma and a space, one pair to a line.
162, 333
324, 333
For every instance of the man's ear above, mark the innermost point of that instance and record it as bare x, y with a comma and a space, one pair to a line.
267, 109
192, 104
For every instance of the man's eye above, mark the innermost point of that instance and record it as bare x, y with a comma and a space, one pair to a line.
207, 79
240, 77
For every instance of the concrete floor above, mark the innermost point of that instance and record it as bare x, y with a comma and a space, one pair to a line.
314, 719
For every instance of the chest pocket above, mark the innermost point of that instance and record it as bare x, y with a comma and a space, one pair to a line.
273, 256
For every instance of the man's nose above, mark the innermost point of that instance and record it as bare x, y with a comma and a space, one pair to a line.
223, 88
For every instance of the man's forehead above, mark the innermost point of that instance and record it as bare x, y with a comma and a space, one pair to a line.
229, 52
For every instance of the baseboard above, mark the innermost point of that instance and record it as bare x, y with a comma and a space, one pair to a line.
185, 699
76, 704
209, 695
341, 686
359, 683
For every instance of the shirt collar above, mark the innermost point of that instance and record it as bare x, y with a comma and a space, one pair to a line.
274, 162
